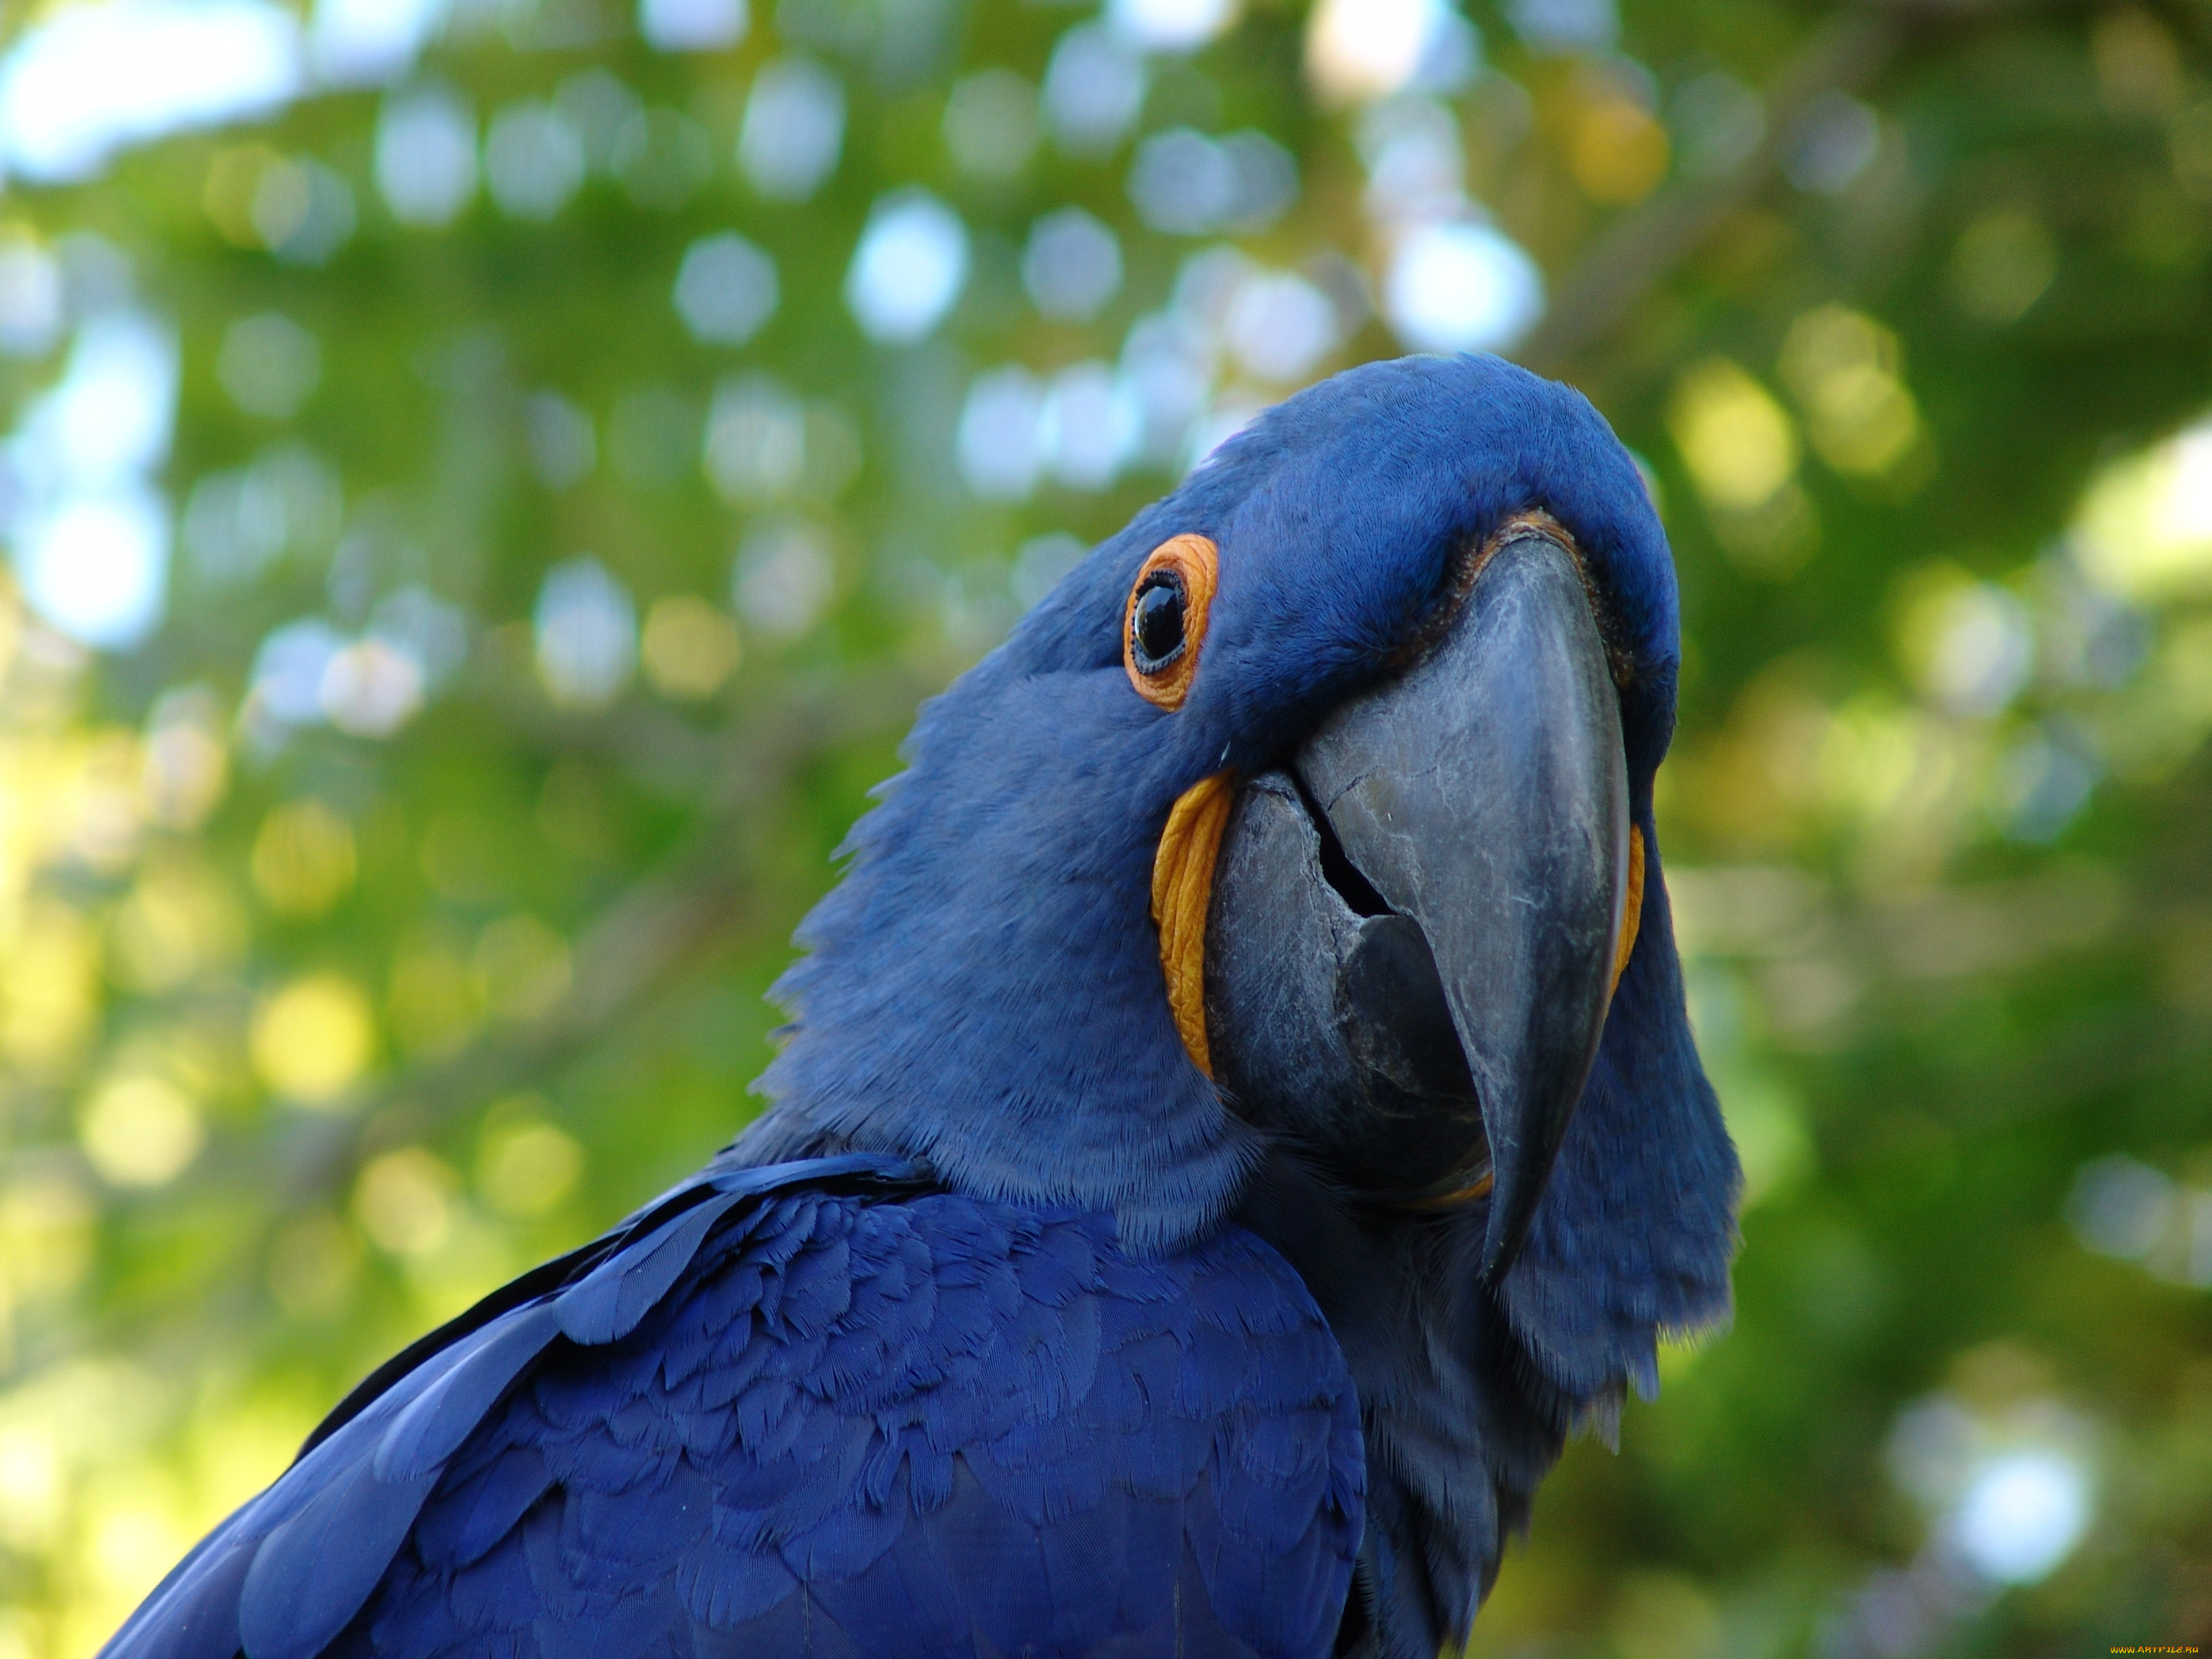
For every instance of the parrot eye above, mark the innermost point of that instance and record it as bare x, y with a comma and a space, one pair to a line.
1156, 631
1165, 624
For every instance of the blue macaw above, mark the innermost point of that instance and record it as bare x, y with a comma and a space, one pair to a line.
1238, 1117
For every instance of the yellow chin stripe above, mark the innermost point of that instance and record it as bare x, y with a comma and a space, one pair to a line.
1631, 908
1452, 1200
1182, 887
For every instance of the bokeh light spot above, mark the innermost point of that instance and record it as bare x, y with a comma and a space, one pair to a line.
2022, 1513
2003, 262
909, 267
1279, 326
30, 297
97, 568
1970, 645
793, 128
1088, 427
1367, 49
755, 450
1188, 184
991, 125
1719, 121
1843, 368
311, 1039
564, 444
1171, 25
2144, 530
303, 858
372, 686
91, 80
1548, 27
300, 211
587, 634
141, 1131
365, 42
1094, 87
187, 765
726, 288
784, 578
426, 155
1835, 140
526, 1167
1460, 287
1739, 445
533, 160
690, 648
1071, 266
1619, 153
997, 442
2120, 1206
404, 1202
692, 25
270, 365
181, 921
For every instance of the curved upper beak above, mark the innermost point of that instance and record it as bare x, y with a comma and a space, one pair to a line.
1413, 929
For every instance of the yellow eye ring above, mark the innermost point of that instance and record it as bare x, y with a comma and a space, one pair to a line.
1164, 623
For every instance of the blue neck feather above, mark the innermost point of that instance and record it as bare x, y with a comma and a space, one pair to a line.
983, 989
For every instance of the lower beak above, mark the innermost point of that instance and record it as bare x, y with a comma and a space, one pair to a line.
1414, 926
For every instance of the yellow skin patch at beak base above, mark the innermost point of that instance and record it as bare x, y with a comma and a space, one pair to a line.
1631, 908
1182, 888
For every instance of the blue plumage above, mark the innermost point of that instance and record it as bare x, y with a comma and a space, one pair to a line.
826, 1409
1002, 1334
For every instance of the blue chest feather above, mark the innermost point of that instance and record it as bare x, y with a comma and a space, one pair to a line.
816, 1419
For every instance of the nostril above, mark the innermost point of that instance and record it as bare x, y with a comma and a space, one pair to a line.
1337, 868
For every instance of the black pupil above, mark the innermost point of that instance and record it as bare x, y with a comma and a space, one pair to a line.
1158, 624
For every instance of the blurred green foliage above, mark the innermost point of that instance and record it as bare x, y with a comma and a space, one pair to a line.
397, 911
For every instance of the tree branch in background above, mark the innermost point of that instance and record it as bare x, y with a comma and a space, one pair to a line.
1632, 258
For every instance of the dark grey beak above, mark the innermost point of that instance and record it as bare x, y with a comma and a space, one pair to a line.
1410, 946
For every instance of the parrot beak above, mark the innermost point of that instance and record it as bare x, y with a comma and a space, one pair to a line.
1414, 927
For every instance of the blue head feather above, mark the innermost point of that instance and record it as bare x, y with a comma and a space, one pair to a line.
983, 988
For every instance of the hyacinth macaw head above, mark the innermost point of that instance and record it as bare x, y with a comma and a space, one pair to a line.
1311, 813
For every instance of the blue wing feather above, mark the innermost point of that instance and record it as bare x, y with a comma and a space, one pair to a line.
822, 1409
